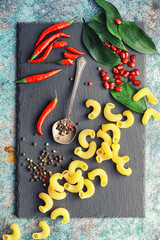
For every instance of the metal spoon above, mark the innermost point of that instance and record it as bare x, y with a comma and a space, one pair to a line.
69, 135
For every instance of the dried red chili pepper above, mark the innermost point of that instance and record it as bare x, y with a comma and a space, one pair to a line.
71, 49
45, 44
63, 62
38, 77
59, 44
50, 107
53, 28
70, 55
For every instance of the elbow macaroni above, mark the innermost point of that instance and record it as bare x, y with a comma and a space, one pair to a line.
77, 164
129, 122
90, 189
75, 188
145, 92
45, 232
48, 202
56, 195
15, 235
107, 150
54, 183
148, 113
89, 153
110, 116
61, 212
120, 167
104, 136
96, 108
82, 137
100, 151
74, 178
116, 131
101, 173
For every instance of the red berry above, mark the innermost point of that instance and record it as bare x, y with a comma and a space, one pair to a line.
44, 176
111, 85
137, 82
126, 73
113, 48
117, 20
131, 64
50, 174
119, 82
121, 71
127, 54
125, 61
102, 73
137, 72
133, 58
132, 73
90, 83
115, 70
123, 55
118, 89
117, 76
58, 137
106, 85
120, 66
107, 44
132, 78
118, 50
71, 79
105, 78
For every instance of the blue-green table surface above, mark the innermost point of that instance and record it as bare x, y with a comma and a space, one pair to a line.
13, 11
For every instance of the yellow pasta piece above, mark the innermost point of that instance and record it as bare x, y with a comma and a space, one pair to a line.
56, 195
15, 235
100, 151
101, 158
116, 131
45, 232
82, 137
89, 153
77, 164
90, 189
61, 212
145, 92
107, 150
101, 173
48, 202
148, 113
96, 108
104, 136
115, 151
120, 167
54, 183
74, 178
128, 122
75, 188
110, 116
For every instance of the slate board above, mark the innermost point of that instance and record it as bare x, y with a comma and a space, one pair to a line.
123, 196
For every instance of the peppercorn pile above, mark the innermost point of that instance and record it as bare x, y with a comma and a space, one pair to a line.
65, 127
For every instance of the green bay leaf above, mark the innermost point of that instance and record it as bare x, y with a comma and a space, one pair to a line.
100, 17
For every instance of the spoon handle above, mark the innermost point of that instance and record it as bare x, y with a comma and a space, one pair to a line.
81, 62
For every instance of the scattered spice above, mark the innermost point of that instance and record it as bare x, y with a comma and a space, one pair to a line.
23, 139
99, 68
71, 79
90, 83
23, 154
34, 144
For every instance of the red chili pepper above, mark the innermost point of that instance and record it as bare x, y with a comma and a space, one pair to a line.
45, 55
65, 62
59, 44
71, 49
53, 28
38, 77
50, 107
70, 55
45, 44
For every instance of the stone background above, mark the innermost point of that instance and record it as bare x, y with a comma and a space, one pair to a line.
13, 11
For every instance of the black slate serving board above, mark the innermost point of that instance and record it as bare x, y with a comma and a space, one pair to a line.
123, 196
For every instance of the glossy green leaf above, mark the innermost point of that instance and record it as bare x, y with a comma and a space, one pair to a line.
97, 49
111, 14
100, 17
136, 38
126, 98
105, 35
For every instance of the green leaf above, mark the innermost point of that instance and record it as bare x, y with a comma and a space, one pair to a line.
105, 35
111, 14
126, 97
97, 49
136, 38
100, 17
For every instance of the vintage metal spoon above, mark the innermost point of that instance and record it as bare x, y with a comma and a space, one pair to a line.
67, 138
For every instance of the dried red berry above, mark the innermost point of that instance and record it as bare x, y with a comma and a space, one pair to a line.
115, 70
107, 44
125, 61
126, 73
123, 55
131, 64
71, 79
117, 76
119, 82
111, 85
127, 54
44, 176
117, 20
58, 137
132, 78
133, 58
90, 83
121, 71
137, 72
50, 174
120, 66
106, 85
113, 48
118, 89
118, 50
105, 78
132, 72
137, 82
102, 73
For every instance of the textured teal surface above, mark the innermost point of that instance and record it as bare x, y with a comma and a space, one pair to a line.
15, 11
